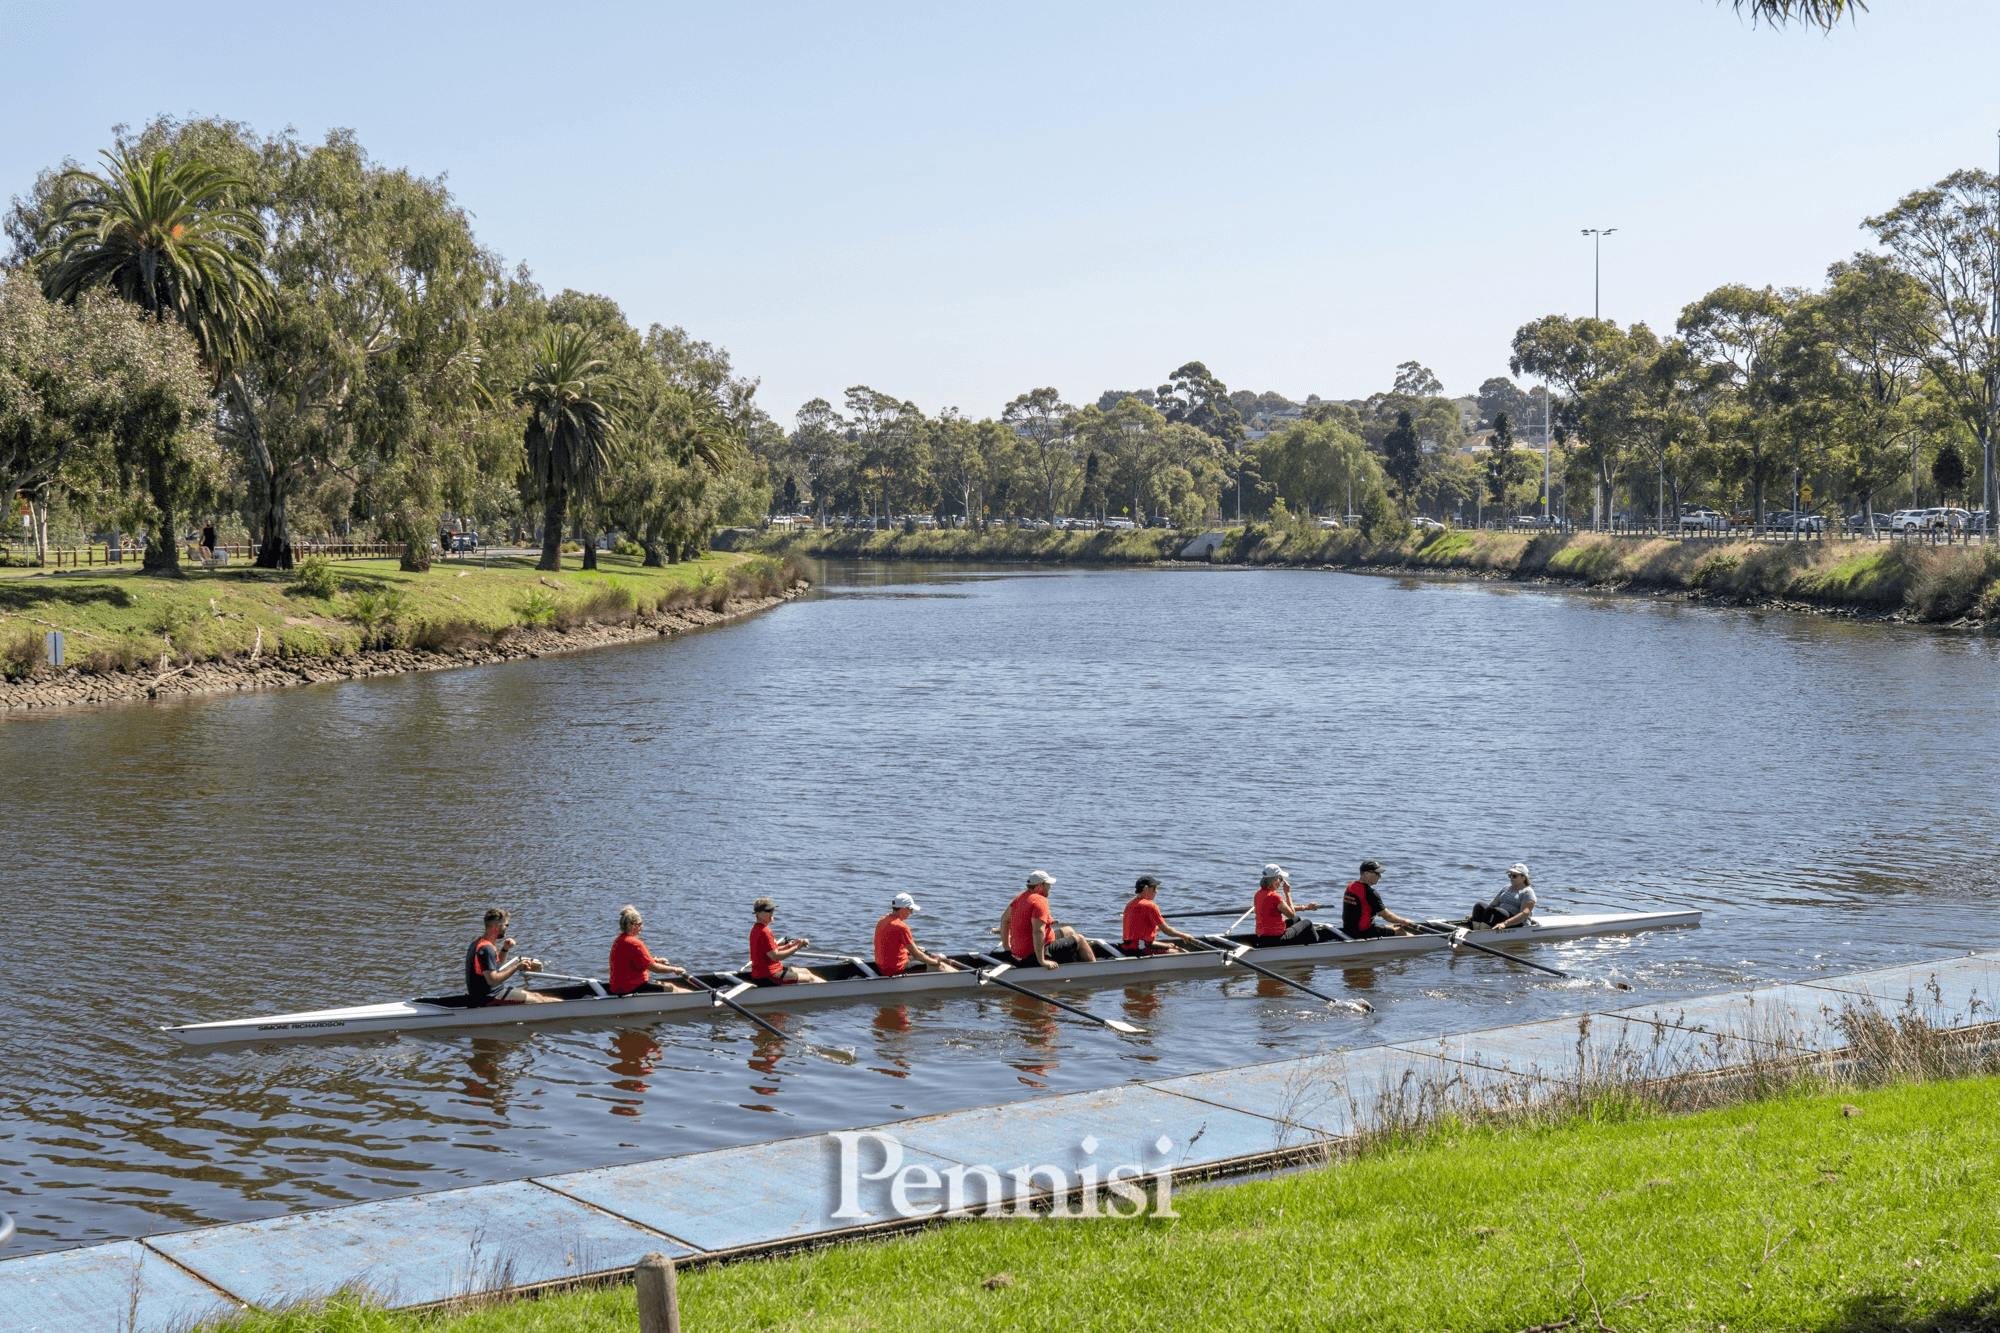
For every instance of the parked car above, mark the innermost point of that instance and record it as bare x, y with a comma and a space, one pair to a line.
1422, 523
1907, 520
464, 541
1806, 523
1329, 523
1703, 520
1159, 521
1533, 521
1119, 524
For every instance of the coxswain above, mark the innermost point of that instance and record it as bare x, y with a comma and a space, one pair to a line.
633, 964
1144, 923
1511, 907
1362, 915
895, 946
1279, 919
488, 969
768, 953
1029, 928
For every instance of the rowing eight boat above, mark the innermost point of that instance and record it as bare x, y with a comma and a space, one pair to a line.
856, 979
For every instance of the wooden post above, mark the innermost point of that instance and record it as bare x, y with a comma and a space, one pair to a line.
659, 1302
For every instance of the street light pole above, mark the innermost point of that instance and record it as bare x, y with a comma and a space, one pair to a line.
1597, 268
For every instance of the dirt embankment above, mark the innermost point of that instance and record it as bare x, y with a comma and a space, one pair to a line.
51, 687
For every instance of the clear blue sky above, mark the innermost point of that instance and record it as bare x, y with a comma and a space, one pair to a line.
956, 204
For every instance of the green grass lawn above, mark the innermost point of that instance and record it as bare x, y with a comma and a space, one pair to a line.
119, 614
1784, 1214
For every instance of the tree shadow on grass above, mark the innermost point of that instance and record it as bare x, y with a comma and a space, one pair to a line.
19, 595
1890, 1312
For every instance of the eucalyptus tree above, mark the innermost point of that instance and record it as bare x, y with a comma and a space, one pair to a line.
958, 463
688, 425
1582, 359
1043, 421
569, 401
1738, 332
1947, 238
177, 240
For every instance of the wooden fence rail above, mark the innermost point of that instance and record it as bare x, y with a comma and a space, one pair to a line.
240, 553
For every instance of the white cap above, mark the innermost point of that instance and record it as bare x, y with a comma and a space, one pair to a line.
1272, 870
1519, 868
1040, 877
905, 900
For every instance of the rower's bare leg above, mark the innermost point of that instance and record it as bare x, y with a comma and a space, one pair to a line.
536, 997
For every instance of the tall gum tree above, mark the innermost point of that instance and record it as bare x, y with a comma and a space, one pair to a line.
1948, 239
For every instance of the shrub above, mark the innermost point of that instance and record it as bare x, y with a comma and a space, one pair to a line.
628, 547
537, 608
22, 654
1949, 583
571, 548
314, 578
1715, 567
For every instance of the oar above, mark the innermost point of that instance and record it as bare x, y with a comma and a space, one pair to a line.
718, 997
1233, 953
1115, 1024
1226, 911
1458, 938
832, 1053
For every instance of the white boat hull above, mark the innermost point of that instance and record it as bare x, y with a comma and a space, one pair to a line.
849, 982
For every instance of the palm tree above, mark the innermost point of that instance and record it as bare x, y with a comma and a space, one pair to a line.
177, 242
174, 240
572, 420
1814, 13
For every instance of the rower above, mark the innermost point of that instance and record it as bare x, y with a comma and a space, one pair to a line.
1511, 907
1143, 922
768, 953
895, 946
487, 967
1049, 944
1361, 910
1279, 919
633, 964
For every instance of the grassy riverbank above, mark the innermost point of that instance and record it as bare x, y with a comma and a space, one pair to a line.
1844, 1211
1925, 582
118, 620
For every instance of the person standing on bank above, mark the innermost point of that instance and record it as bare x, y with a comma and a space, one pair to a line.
1279, 919
768, 953
487, 968
1144, 923
1031, 933
895, 946
1361, 911
1511, 907
633, 964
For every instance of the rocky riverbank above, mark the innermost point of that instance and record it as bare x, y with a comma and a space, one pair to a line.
53, 687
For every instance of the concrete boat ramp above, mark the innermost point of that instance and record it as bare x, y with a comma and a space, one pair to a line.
558, 1230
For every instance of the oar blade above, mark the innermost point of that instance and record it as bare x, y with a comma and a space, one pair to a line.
1120, 1025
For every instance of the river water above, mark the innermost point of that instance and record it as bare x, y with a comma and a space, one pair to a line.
1818, 787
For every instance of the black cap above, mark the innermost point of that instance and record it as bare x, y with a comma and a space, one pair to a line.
1367, 866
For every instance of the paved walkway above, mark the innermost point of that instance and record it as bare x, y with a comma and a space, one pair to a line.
770, 1196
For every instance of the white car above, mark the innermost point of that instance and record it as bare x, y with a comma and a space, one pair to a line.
1328, 524
1424, 524
1908, 520
1703, 520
